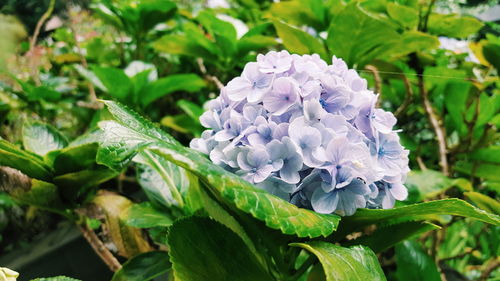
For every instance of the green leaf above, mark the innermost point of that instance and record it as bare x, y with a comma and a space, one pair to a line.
143, 267
203, 249
29, 163
43, 93
484, 202
116, 82
74, 158
428, 183
404, 15
413, 41
414, 264
91, 77
193, 45
77, 185
163, 181
191, 109
153, 12
453, 25
487, 154
358, 38
491, 53
415, 212
356, 263
145, 216
38, 193
120, 142
301, 12
182, 123
298, 41
482, 170
57, 278
456, 94
385, 237
254, 43
42, 138
177, 82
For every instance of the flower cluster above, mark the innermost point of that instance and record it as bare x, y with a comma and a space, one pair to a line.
307, 132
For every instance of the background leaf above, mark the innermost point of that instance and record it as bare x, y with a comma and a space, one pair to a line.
42, 138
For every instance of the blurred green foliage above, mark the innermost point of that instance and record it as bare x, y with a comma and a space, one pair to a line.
438, 71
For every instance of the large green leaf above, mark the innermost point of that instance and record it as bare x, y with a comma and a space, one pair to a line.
487, 154
121, 141
178, 82
356, 263
145, 216
413, 41
384, 237
24, 161
164, 182
143, 267
358, 38
298, 41
413, 264
203, 249
415, 212
453, 25
41, 138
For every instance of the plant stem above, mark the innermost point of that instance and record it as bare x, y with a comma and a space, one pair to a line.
304, 267
438, 129
378, 81
99, 248
408, 98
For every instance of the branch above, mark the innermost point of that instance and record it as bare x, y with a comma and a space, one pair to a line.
438, 129
408, 97
99, 248
209, 77
378, 81
490, 266
31, 51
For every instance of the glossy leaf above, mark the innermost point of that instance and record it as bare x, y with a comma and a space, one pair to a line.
41, 138
120, 142
415, 212
144, 267
298, 41
76, 185
145, 216
356, 263
163, 181
203, 249
24, 161
414, 264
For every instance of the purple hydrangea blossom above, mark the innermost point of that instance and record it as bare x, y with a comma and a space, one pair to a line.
307, 132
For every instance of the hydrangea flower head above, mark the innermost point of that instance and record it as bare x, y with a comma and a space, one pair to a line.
307, 132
